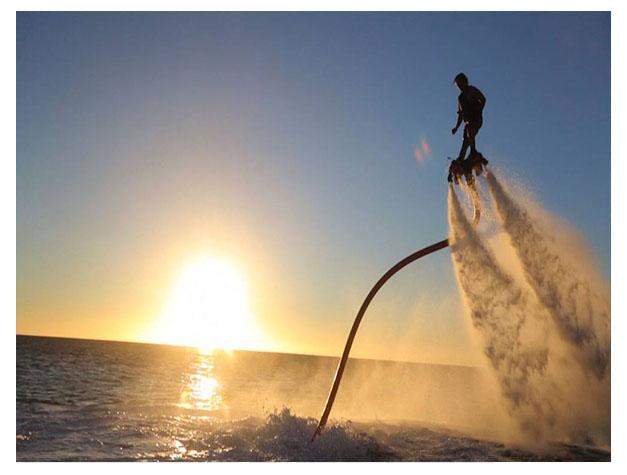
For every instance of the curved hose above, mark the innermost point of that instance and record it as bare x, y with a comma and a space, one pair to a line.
349, 342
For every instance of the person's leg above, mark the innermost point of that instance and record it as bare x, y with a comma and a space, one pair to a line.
473, 130
478, 160
462, 152
471, 140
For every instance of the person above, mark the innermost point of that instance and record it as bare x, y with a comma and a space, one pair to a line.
470, 104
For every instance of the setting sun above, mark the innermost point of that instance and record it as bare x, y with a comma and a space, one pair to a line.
208, 307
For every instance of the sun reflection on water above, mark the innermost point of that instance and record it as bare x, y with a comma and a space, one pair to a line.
202, 390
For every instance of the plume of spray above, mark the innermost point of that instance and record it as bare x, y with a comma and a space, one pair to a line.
580, 309
545, 388
499, 310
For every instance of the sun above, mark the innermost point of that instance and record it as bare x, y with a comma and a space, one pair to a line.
208, 307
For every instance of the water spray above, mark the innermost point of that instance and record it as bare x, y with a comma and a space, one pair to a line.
581, 312
535, 366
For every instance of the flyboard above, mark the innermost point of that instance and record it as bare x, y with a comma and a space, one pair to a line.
463, 168
457, 169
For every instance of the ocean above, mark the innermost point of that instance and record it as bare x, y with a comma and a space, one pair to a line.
86, 400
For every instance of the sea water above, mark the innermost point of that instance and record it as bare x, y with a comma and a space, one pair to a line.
84, 400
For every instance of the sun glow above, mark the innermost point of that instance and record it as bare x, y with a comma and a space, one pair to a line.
208, 307
203, 390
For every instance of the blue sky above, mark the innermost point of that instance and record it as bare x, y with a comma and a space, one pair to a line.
289, 136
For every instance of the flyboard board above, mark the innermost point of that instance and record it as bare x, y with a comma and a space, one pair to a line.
464, 168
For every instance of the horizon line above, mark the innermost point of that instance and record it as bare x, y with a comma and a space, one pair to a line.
242, 350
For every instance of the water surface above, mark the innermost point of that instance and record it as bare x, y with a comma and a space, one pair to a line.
84, 400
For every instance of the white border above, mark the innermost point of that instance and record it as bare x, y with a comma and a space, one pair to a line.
619, 172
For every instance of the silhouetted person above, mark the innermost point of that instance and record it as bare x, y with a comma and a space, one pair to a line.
470, 105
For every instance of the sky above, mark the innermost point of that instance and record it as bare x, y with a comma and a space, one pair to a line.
306, 149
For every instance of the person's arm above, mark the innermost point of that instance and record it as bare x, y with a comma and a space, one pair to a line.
459, 122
